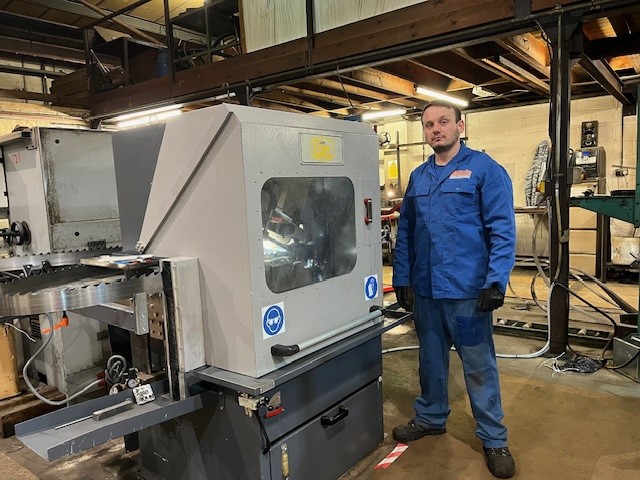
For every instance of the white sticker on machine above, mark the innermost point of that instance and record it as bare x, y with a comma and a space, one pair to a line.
272, 320
321, 149
370, 287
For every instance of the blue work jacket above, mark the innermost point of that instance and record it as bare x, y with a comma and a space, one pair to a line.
456, 233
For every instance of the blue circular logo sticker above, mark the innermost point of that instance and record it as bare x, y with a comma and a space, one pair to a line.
371, 287
273, 320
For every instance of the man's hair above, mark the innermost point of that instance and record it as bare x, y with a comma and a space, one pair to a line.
442, 103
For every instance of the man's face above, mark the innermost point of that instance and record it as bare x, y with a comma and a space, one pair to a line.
441, 131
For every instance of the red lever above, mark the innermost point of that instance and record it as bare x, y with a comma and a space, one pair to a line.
274, 412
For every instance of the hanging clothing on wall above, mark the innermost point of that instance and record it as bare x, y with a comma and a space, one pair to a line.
536, 173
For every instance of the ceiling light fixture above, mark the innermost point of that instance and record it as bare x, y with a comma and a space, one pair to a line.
482, 92
383, 114
147, 119
143, 113
441, 96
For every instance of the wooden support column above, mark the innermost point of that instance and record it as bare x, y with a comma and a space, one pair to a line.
8, 366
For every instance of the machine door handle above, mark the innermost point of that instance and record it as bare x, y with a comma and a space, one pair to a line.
329, 420
368, 205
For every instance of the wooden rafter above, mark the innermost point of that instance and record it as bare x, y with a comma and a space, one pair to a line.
529, 49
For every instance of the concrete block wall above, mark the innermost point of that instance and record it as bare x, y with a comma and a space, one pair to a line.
511, 136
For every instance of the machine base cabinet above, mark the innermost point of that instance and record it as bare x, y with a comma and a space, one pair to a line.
331, 417
320, 451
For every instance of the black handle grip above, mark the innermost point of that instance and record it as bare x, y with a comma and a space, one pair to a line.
368, 205
329, 420
284, 350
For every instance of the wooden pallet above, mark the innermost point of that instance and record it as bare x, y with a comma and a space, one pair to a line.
25, 406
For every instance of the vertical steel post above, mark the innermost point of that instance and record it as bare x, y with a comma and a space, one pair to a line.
559, 122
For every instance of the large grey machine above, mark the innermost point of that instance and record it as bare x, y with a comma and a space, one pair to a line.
253, 245
63, 206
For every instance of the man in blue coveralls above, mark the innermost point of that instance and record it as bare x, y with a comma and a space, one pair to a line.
455, 249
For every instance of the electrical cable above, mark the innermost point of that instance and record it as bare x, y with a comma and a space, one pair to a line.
536, 354
344, 89
116, 368
615, 325
21, 331
263, 430
25, 374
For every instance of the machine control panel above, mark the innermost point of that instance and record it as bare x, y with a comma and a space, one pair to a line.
591, 161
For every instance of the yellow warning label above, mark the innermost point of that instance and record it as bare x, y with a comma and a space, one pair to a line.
392, 171
321, 149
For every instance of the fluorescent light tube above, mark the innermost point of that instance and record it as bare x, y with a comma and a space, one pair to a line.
441, 96
145, 113
383, 113
133, 122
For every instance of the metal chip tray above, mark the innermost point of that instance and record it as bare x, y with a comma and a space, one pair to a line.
73, 429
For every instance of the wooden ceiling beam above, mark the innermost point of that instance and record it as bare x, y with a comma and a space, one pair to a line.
623, 26
530, 50
496, 69
45, 97
386, 81
344, 86
456, 84
466, 70
342, 105
528, 76
620, 63
265, 103
417, 73
334, 99
280, 96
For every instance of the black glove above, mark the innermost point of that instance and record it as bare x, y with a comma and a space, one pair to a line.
404, 295
490, 299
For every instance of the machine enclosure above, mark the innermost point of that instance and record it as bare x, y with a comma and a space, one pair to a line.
62, 183
205, 202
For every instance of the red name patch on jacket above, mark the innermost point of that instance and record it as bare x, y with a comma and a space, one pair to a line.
461, 174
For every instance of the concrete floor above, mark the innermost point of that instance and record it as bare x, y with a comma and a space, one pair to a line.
564, 426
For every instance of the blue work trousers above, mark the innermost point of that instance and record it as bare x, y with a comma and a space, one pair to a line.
440, 324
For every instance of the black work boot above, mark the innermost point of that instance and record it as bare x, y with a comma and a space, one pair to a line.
413, 431
500, 462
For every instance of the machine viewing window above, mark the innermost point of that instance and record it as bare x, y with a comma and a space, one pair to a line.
309, 230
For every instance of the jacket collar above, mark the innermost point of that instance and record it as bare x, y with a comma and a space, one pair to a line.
451, 166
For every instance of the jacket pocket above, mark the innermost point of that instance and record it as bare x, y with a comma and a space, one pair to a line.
460, 197
420, 196
419, 191
467, 186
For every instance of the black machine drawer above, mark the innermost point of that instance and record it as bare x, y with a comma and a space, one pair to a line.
331, 443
